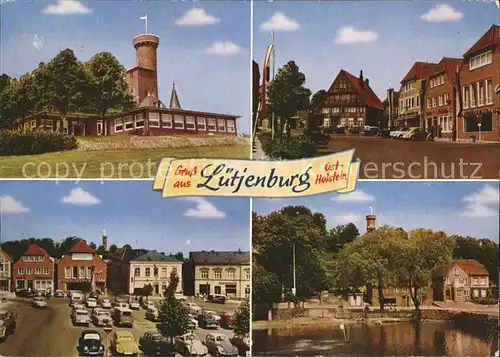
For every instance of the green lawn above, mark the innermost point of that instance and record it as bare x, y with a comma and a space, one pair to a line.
138, 163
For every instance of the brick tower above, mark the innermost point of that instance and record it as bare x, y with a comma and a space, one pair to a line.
143, 77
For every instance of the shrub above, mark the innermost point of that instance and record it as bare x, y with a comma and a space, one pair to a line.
34, 142
286, 149
486, 301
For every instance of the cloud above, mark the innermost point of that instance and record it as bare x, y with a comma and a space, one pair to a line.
37, 41
224, 48
350, 35
442, 13
350, 217
196, 17
204, 209
9, 204
355, 196
280, 22
479, 203
67, 7
6, 1
80, 197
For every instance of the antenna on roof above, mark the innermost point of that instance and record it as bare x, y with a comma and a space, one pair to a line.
371, 210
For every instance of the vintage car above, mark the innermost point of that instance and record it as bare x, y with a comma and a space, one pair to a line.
78, 306
226, 320
190, 345
242, 344
26, 293
369, 131
7, 324
123, 343
106, 304
148, 305
154, 343
123, 317
90, 344
134, 305
80, 317
59, 294
207, 321
218, 344
180, 297
91, 302
218, 299
193, 321
151, 314
192, 307
39, 301
417, 134
76, 298
398, 133
101, 317
214, 315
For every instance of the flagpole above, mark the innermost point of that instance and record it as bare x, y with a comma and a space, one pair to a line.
146, 24
272, 79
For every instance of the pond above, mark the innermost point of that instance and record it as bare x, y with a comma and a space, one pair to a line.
391, 339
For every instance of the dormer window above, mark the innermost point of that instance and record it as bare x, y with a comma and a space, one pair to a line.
480, 60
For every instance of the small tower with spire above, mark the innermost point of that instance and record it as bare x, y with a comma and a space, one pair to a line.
174, 98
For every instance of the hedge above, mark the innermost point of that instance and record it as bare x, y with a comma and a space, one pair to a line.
291, 149
34, 142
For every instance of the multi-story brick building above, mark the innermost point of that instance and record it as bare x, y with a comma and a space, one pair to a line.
480, 88
222, 273
81, 269
440, 97
34, 270
5, 271
462, 280
350, 102
411, 95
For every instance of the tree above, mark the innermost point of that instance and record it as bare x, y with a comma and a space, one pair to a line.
127, 246
172, 314
179, 256
107, 85
241, 319
484, 251
93, 245
287, 94
317, 98
100, 250
255, 89
423, 252
266, 287
340, 236
65, 246
113, 248
147, 291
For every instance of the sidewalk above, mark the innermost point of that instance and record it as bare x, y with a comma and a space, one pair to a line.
466, 141
257, 151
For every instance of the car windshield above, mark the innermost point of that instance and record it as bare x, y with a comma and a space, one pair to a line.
126, 313
220, 338
190, 337
156, 337
92, 336
125, 338
103, 313
82, 313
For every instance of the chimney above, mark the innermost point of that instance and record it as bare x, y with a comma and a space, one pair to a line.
370, 222
361, 76
367, 82
105, 240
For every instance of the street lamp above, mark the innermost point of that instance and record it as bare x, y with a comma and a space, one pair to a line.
294, 290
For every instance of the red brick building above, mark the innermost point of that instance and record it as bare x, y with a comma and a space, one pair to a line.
480, 89
350, 102
81, 269
440, 99
34, 270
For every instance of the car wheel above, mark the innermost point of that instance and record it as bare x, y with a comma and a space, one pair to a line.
430, 138
413, 137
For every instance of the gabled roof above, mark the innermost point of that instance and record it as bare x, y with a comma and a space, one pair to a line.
35, 249
154, 256
81, 247
489, 39
471, 266
130, 254
222, 258
363, 89
419, 70
174, 99
448, 66
149, 101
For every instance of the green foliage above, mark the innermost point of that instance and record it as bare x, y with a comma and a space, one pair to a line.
147, 290
484, 251
341, 235
266, 287
14, 142
113, 248
172, 285
173, 315
317, 98
286, 149
241, 319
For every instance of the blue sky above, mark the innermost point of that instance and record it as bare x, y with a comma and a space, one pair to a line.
130, 212
204, 46
383, 38
463, 208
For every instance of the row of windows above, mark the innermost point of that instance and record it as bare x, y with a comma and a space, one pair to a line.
477, 94
47, 124
78, 272
28, 271
169, 121
481, 60
438, 101
33, 258
446, 123
147, 272
408, 86
230, 274
437, 81
343, 110
409, 103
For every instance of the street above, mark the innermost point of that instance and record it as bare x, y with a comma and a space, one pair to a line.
49, 331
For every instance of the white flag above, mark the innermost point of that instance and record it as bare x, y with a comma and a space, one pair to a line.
145, 17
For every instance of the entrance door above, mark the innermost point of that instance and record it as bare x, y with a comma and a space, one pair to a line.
78, 128
30, 285
217, 290
448, 294
99, 127
157, 289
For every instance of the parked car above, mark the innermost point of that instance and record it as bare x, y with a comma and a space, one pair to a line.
226, 320
369, 131
59, 294
90, 343
417, 134
151, 314
123, 317
80, 317
190, 345
76, 298
7, 323
192, 307
123, 343
398, 133
39, 301
218, 344
106, 304
207, 321
180, 297
242, 344
220, 299
154, 343
120, 304
214, 315
91, 302
26, 293
78, 306
148, 305
94, 295
134, 305
101, 317
193, 321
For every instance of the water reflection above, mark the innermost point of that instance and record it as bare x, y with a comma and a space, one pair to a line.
401, 339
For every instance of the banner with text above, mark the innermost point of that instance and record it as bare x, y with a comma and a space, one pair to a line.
246, 178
